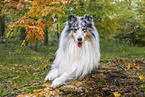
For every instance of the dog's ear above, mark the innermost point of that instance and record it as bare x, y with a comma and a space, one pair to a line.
71, 19
88, 19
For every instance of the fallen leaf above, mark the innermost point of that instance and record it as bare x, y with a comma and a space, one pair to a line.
134, 64
126, 63
117, 59
141, 77
14, 84
121, 59
45, 65
16, 64
26, 70
138, 67
114, 61
34, 91
37, 94
128, 67
116, 94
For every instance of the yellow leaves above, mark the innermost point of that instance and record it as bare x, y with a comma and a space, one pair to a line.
23, 43
30, 22
136, 66
16, 64
45, 65
75, 3
34, 91
54, 4
39, 35
37, 18
116, 94
14, 84
33, 32
141, 77
42, 26
128, 66
142, 85
26, 70
20, 6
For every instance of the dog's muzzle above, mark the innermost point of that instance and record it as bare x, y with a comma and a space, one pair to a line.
79, 41
79, 38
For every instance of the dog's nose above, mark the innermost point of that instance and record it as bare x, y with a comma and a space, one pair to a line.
79, 38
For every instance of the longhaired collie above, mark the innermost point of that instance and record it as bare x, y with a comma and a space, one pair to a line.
78, 53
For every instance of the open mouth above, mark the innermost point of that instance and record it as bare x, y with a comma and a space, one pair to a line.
79, 44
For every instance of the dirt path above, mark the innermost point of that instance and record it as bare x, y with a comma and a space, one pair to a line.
108, 80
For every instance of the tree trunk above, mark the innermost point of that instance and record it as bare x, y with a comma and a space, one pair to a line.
22, 33
57, 31
133, 37
46, 36
2, 25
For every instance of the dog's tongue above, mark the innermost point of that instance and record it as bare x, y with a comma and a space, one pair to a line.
79, 44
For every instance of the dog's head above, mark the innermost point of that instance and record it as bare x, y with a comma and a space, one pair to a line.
80, 28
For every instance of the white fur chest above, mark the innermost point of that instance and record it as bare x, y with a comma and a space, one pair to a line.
82, 60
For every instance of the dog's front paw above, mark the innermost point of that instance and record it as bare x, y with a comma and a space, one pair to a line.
57, 82
49, 77
52, 75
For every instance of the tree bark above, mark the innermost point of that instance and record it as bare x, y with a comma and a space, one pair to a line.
22, 33
2, 25
46, 36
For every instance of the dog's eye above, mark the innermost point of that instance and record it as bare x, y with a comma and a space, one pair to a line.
75, 30
84, 30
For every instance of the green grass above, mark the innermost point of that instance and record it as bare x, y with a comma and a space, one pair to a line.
32, 88
22, 65
110, 50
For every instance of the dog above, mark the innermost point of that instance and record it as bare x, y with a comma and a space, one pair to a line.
78, 53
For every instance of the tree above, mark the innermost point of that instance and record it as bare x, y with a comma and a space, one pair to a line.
2, 19
131, 30
110, 17
36, 18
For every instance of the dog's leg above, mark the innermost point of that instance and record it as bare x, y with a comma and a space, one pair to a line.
52, 74
61, 80
69, 74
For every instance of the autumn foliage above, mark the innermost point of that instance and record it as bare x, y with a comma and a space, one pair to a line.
122, 18
37, 17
